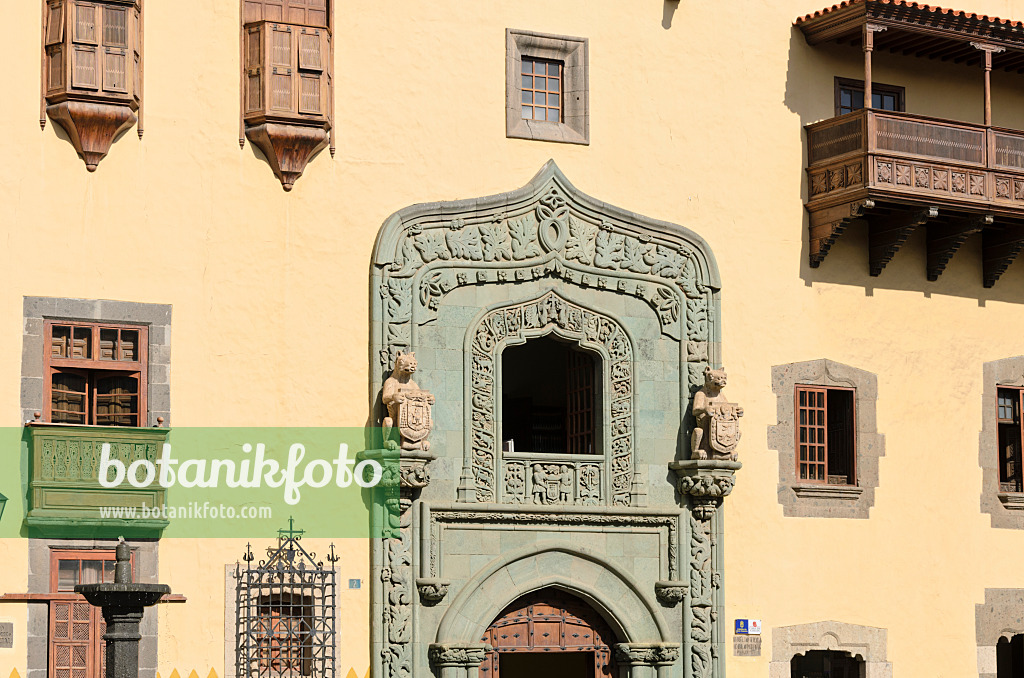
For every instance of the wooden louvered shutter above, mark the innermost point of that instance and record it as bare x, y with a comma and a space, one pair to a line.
75, 638
282, 75
253, 69
85, 36
136, 34
312, 51
115, 49
55, 53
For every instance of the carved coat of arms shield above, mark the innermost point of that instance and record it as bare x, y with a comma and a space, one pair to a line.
414, 417
724, 428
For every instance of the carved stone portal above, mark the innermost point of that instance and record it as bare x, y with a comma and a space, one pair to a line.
716, 430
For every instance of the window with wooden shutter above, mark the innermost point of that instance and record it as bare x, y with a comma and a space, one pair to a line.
253, 69
825, 435
281, 67
76, 628
311, 68
96, 374
86, 54
115, 49
1008, 418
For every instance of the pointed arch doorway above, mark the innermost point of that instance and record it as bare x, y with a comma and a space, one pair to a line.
549, 633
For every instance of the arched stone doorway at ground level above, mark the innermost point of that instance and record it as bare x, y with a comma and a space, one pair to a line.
549, 632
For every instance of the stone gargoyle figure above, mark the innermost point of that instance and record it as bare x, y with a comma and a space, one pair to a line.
716, 430
408, 406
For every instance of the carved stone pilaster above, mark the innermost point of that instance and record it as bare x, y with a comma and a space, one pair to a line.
670, 592
703, 486
458, 660
432, 590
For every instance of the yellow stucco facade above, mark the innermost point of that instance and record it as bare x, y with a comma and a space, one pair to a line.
696, 118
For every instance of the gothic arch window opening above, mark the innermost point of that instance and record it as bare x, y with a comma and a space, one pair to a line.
551, 397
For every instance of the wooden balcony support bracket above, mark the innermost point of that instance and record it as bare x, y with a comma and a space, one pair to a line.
828, 224
998, 250
945, 239
886, 235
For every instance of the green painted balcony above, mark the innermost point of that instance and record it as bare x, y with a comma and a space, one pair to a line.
65, 494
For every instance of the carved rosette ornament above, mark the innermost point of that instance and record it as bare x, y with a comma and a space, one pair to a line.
703, 486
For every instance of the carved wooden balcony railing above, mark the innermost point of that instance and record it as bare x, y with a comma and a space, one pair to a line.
64, 489
898, 171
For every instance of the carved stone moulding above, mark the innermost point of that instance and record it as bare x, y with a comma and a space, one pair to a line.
457, 656
288, 148
670, 592
647, 654
91, 126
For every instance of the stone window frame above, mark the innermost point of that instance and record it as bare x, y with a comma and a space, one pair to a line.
573, 53
818, 500
147, 569
998, 617
1005, 508
866, 642
157, 317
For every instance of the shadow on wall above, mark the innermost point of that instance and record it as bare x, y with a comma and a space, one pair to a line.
809, 94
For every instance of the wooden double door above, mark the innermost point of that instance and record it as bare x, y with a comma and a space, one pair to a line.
549, 633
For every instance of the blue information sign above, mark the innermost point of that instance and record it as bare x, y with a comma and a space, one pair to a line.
742, 627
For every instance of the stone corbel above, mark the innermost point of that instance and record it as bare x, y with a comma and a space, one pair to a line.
670, 592
458, 660
705, 481
405, 468
647, 660
432, 590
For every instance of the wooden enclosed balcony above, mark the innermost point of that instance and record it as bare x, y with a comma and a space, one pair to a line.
899, 171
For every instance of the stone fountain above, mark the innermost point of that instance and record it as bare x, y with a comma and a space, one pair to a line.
123, 603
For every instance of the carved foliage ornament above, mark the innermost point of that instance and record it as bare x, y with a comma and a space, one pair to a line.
546, 235
552, 483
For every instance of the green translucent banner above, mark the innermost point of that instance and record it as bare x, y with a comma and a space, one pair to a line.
99, 481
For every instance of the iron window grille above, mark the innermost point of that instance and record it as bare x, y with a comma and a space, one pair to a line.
285, 608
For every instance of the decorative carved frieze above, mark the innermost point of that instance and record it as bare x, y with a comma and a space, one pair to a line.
551, 235
647, 654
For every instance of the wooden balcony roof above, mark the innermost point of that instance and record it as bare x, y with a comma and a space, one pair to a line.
915, 29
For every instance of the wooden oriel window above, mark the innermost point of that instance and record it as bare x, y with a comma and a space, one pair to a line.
850, 96
542, 89
1008, 411
825, 438
287, 54
76, 628
95, 374
93, 47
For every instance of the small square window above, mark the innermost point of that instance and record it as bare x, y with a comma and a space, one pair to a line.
546, 88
